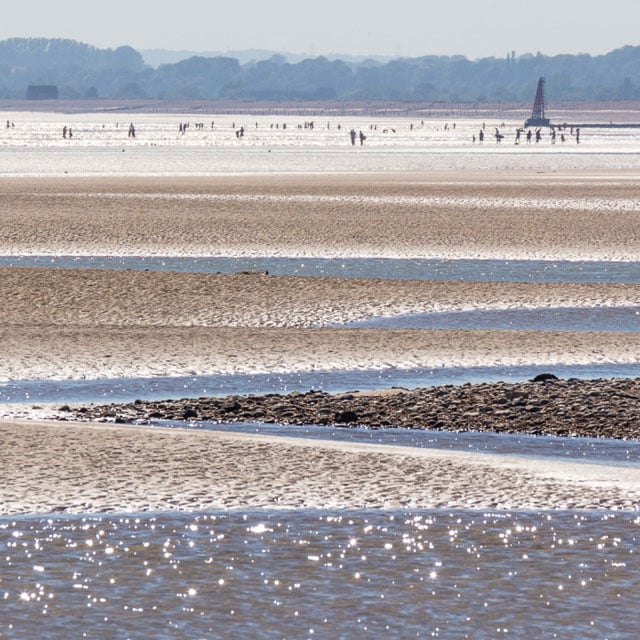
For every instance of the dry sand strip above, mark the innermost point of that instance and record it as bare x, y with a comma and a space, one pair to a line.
86, 297
420, 215
75, 468
58, 353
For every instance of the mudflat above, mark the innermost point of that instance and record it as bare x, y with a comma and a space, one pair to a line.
573, 215
75, 323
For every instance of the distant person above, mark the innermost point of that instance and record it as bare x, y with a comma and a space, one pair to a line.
578, 135
64, 131
553, 136
132, 131
498, 136
518, 132
352, 134
70, 133
529, 136
481, 136
538, 135
362, 138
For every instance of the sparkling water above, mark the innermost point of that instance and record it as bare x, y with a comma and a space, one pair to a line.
305, 574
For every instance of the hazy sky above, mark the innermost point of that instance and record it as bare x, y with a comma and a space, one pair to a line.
474, 28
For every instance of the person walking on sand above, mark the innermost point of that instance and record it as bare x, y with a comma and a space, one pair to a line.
352, 133
481, 136
578, 135
362, 138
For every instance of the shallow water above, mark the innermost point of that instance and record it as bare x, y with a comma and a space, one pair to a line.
604, 319
175, 387
591, 450
305, 574
384, 268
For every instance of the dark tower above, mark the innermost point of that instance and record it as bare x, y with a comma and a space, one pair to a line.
537, 118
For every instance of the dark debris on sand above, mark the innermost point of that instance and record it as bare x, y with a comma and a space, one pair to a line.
593, 408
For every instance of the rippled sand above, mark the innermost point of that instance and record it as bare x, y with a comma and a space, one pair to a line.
80, 323
84, 297
47, 467
68, 323
510, 215
95, 352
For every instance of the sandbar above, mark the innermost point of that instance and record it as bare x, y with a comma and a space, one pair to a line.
87, 468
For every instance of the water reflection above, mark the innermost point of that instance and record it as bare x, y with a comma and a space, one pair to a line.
624, 319
589, 450
306, 574
174, 387
386, 268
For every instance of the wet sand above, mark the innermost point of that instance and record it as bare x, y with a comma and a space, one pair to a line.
86, 297
82, 323
510, 215
76, 468
76, 323
58, 353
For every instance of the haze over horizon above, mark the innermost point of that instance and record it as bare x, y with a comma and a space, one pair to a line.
412, 28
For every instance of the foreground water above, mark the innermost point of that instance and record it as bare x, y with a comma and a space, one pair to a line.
307, 574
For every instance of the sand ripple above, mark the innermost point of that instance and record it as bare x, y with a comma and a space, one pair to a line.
90, 468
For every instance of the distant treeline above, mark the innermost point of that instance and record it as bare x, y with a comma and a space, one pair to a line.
82, 71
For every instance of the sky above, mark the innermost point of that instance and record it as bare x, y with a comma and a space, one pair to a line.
410, 28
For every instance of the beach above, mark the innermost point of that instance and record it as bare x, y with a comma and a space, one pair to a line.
553, 215
281, 383
74, 323
89, 468
86, 323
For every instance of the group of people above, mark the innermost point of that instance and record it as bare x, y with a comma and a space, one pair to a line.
355, 135
530, 135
